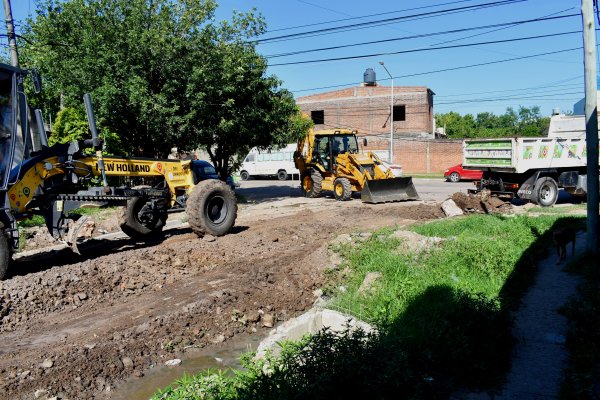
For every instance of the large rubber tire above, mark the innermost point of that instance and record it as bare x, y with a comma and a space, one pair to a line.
211, 208
244, 175
282, 175
342, 189
5, 255
454, 177
311, 183
138, 221
545, 192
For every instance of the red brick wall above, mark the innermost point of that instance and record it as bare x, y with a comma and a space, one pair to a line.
367, 109
414, 157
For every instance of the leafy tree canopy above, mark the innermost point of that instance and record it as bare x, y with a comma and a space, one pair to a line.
524, 122
162, 74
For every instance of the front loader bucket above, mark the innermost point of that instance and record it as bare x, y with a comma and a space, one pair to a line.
386, 190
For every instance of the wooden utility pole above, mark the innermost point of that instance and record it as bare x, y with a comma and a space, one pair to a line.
591, 123
12, 38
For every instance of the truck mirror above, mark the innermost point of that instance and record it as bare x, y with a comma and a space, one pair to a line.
36, 80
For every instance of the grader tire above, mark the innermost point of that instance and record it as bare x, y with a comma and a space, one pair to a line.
312, 183
5, 255
342, 189
136, 221
211, 208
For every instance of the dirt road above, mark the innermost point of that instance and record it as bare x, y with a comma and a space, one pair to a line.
77, 326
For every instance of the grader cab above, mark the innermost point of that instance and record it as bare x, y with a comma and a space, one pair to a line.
37, 179
330, 160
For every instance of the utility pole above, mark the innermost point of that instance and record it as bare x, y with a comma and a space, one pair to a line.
12, 39
591, 123
391, 115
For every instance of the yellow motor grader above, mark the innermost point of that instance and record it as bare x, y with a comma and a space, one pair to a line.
330, 160
37, 179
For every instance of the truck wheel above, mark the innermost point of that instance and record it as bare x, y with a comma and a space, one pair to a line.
5, 255
312, 182
211, 208
244, 175
139, 219
546, 192
454, 177
282, 175
342, 189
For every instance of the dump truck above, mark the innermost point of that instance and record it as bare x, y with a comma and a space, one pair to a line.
51, 181
533, 168
331, 160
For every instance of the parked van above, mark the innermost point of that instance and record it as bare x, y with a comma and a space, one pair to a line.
278, 163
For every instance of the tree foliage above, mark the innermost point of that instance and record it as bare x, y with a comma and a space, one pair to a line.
523, 122
162, 74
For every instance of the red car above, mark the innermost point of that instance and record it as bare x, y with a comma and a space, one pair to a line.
456, 173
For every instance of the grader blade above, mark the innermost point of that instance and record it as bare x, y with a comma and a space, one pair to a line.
387, 190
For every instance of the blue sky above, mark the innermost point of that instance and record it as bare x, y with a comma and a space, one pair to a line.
551, 80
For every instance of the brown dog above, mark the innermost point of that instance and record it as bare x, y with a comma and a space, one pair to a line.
562, 237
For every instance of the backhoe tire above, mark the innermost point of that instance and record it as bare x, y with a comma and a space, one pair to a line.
545, 192
137, 220
5, 256
312, 183
342, 189
211, 208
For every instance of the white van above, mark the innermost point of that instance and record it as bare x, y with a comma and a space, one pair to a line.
278, 163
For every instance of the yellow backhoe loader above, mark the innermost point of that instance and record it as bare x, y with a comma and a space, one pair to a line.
330, 160
52, 180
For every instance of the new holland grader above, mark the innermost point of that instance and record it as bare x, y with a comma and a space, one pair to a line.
51, 181
330, 160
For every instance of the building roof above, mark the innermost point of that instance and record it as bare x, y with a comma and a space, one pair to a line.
363, 91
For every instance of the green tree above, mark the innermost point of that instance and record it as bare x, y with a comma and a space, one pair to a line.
162, 74
524, 122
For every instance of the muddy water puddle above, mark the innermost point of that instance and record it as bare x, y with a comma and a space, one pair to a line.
225, 356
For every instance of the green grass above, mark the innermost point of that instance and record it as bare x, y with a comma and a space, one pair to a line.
100, 213
443, 316
422, 175
557, 210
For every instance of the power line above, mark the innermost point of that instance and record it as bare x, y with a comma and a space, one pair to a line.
386, 21
448, 69
505, 24
361, 17
455, 46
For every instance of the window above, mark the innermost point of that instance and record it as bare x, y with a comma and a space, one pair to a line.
318, 116
289, 156
250, 158
276, 156
264, 157
399, 113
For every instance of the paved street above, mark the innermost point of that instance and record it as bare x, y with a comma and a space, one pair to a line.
258, 190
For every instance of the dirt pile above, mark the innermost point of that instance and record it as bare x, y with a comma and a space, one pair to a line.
481, 202
75, 326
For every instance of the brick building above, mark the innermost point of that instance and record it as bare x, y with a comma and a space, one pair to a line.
367, 109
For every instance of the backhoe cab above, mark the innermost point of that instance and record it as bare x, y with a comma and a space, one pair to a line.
330, 160
37, 179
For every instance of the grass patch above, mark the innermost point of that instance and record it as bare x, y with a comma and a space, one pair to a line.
100, 213
443, 317
557, 210
583, 336
426, 176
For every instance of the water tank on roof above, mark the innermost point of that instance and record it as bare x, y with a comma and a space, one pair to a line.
369, 77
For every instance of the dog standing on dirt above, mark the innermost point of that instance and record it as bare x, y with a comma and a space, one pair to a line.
562, 237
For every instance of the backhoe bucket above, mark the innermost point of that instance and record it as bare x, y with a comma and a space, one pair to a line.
386, 190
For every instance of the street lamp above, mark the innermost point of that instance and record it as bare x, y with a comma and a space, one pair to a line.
391, 115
